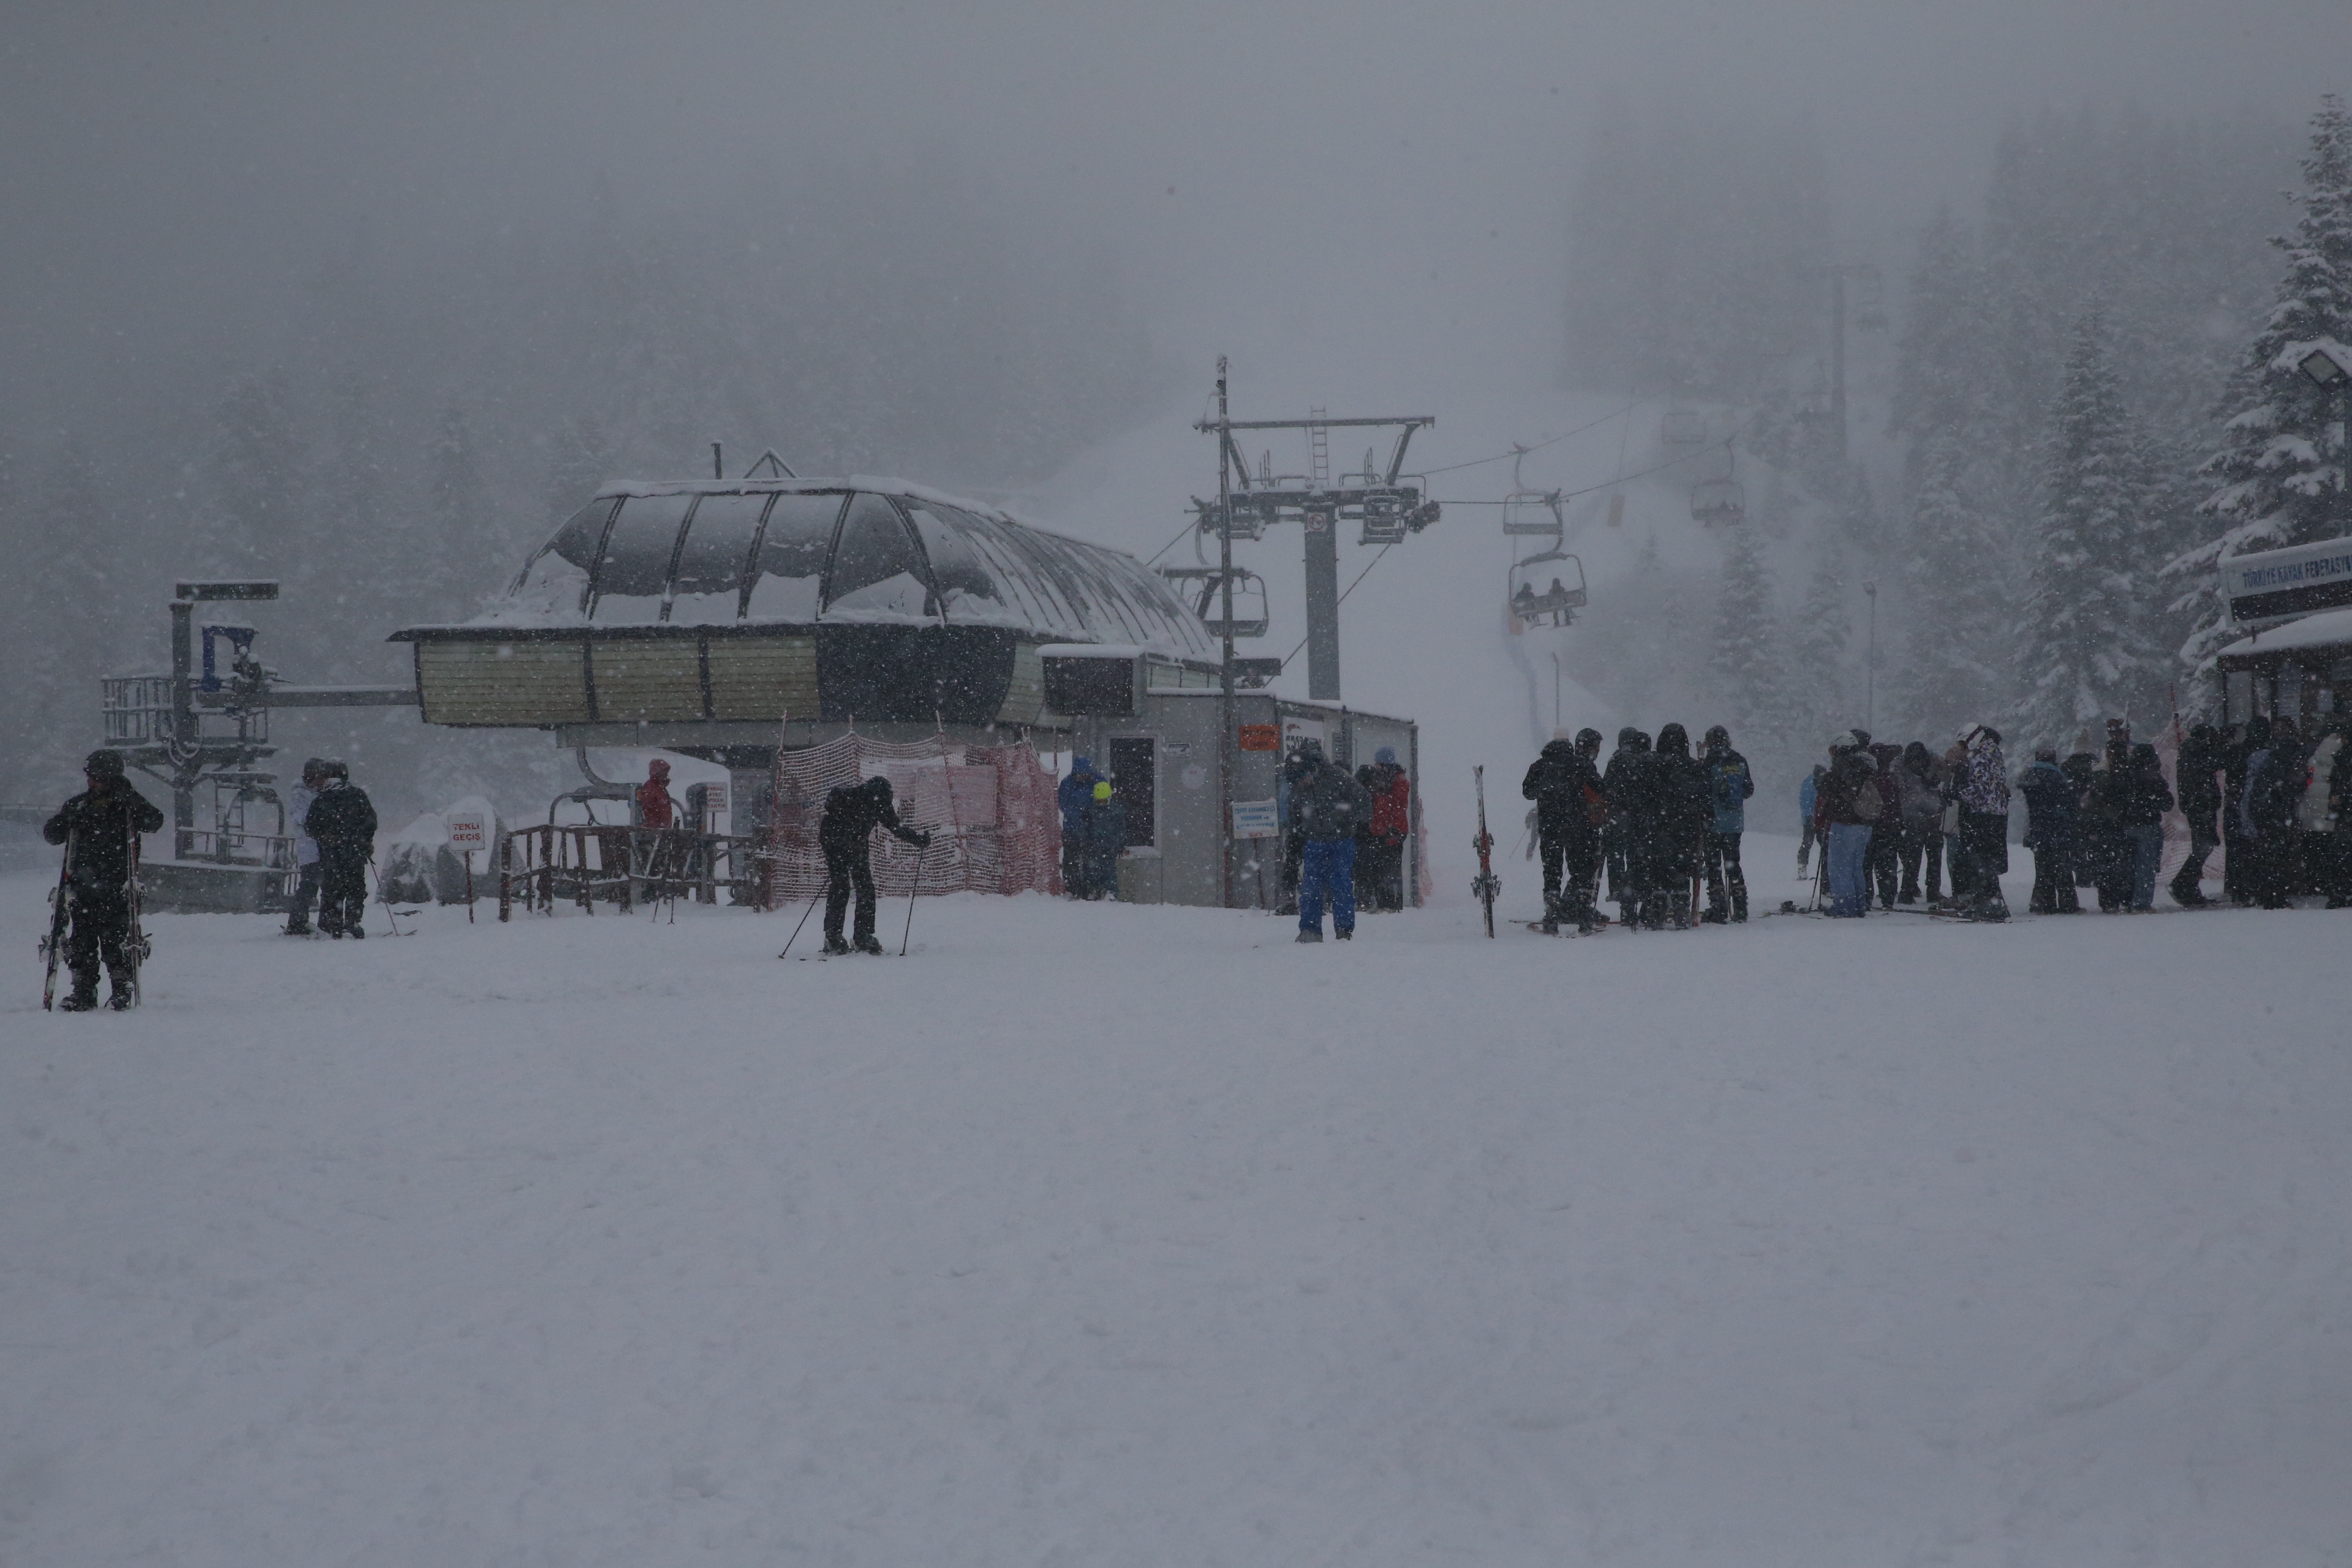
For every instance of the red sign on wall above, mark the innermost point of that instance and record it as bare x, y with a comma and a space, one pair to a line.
1261, 737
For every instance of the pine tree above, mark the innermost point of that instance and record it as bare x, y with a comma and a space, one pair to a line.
2085, 637
2281, 468
1746, 658
1824, 629
1958, 661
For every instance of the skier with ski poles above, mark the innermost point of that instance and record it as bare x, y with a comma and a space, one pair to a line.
99, 829
851, 813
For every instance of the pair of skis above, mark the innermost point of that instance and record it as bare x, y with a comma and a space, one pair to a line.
135, 946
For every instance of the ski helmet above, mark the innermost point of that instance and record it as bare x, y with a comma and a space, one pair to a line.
1717, 735
103, 764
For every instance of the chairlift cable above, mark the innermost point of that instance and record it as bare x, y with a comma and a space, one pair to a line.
1661, 467
1549, 441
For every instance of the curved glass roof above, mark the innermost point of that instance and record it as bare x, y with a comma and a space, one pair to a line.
799, 553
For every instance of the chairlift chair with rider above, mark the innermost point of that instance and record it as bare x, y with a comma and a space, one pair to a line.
1546, 589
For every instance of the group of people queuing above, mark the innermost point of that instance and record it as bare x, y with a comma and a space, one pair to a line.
1892, 820
1658, 820
1895, 821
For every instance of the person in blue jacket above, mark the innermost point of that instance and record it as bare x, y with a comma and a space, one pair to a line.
1076, 796
1730, 784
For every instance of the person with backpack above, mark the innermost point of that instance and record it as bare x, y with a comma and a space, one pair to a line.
1919, 786
99, 829
1684, 809
2050, 803
1886, 865
342, 819
1847, 805
1570, 810
1730, 784
1326, 804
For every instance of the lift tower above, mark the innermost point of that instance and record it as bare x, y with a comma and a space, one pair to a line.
1386, 504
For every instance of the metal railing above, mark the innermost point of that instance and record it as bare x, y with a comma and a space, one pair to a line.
583, 863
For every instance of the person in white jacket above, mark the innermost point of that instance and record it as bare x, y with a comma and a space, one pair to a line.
2320, 816
306, 849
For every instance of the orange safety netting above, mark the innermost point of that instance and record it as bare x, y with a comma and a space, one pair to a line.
995, 827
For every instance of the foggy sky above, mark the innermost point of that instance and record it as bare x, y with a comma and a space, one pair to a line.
1291, 178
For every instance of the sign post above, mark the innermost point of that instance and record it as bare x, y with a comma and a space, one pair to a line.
468, 831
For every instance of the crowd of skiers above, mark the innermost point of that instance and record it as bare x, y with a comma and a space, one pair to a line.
1892, 819
1656, 819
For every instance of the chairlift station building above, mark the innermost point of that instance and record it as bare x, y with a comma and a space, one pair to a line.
719, 618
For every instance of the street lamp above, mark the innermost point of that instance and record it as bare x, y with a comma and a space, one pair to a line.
1870, 663
2325, 368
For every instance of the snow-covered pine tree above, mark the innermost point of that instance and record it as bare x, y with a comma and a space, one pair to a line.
2281, 470
1817, 677
1750, 671
1958, 655
2084, 640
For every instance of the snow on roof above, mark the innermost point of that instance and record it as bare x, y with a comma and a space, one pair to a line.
2326, 627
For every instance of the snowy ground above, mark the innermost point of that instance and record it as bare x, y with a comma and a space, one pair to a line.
1106, 1235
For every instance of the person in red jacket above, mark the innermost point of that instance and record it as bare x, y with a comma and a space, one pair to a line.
1379, 842
654, 806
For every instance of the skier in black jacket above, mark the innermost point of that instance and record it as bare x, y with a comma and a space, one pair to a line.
343, 820
2201, 800
1626, 784
1569, 799
851, 813
98, 826
1683, 811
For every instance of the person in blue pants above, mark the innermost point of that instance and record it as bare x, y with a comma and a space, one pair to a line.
1326, 806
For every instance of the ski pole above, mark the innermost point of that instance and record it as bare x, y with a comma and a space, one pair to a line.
796, 930
906, 935
386, 899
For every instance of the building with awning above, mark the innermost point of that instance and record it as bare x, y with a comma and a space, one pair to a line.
2296, 658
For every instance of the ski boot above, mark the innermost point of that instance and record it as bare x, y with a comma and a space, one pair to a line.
1306, 935
867, 944
1551, 917
835, 947
298, 928
123, 995
1348, 935
84, 998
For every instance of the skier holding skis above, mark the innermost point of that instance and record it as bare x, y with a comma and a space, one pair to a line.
851, 813
1570, 811
99, 828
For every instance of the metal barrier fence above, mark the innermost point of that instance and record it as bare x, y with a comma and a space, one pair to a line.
580, 863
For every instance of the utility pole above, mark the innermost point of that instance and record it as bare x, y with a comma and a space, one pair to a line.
1873, 318
1225, 660
1870, 662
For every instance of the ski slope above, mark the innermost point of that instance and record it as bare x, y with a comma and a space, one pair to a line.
1139, 1236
